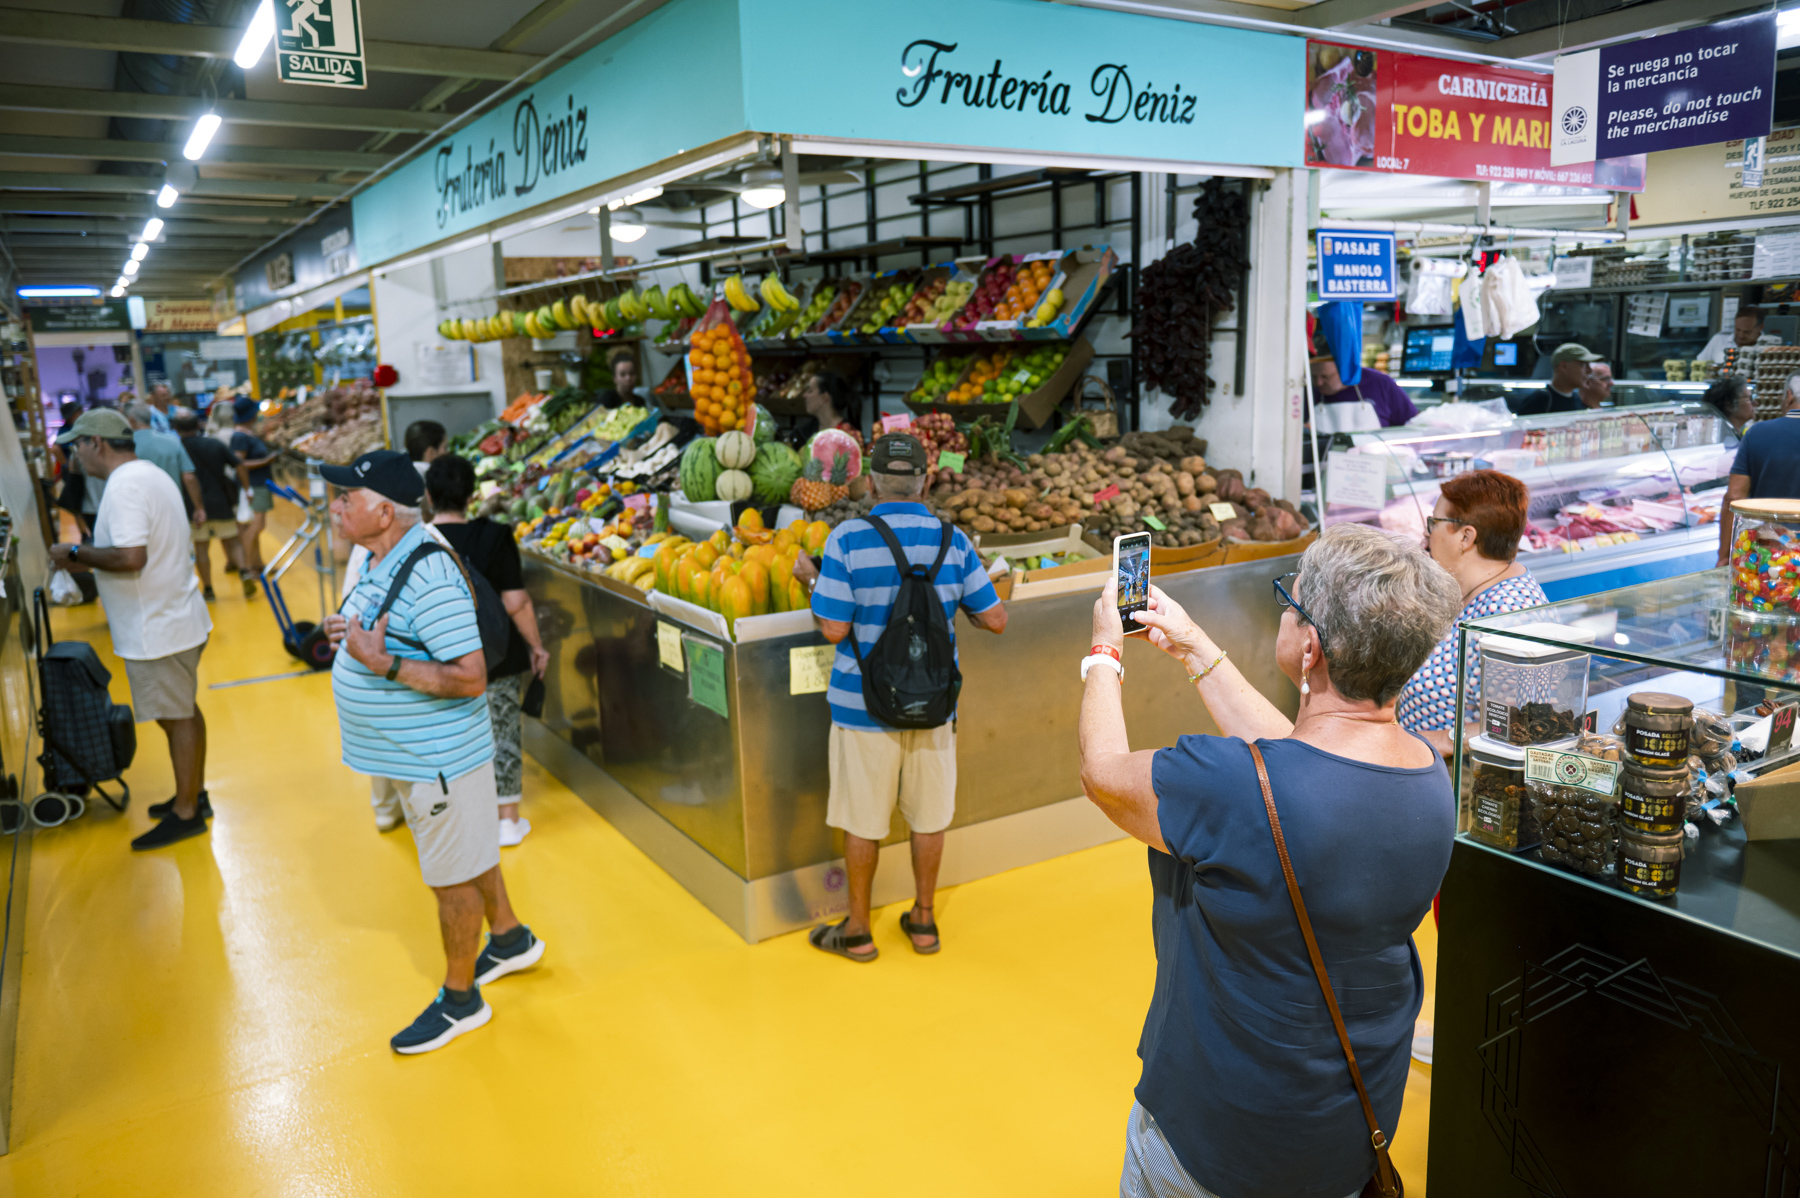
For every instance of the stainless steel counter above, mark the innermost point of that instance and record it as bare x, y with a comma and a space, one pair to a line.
734, 806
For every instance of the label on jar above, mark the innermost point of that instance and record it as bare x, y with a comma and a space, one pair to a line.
1656, 747
1499, 721
1487, 815
1572, 769
1656, 877
1665, 813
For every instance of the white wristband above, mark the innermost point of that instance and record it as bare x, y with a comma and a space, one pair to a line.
1087, 663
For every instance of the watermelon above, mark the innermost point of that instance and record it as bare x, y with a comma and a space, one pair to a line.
762, 429
774, 471
699, 471
828, 443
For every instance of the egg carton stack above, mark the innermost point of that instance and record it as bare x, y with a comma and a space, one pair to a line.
1774, 365
1630, 272
1726, 259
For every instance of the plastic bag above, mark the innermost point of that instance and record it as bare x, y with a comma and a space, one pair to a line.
64, 590
1509, 304
1469, 299
244, 512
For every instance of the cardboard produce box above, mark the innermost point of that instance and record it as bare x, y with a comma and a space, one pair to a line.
819, 333
1081, 276
1014, 330
962, 270
1035, 406
1250, 551
1169, 559
1769, 805
848, 331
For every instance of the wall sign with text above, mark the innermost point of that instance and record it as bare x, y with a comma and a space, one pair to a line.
1357, 265
319, 42
1377, 110
1691, 88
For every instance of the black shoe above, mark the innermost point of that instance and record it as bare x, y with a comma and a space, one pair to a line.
171, 829
207, 594
167, 807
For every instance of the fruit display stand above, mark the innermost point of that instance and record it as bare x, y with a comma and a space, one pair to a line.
1036, 405
709, 752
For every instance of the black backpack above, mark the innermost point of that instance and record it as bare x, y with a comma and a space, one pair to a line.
490, 613
909, 678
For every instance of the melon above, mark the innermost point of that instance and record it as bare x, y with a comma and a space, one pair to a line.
733, 485
828, 443
735, 450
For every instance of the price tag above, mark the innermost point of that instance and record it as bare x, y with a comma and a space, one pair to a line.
1158, 525
896, 422
1223, 512
809, 669
1781, 730
1111, 492
668, 646
706, 675
1024, 376
1591, 721
952, 462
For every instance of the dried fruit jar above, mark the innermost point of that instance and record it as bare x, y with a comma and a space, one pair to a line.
1653, 800
1532, 693
1497, 795
1574, 799
1650, 862
1655, 726
1765, 557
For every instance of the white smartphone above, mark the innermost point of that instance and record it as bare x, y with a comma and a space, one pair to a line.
1131, 567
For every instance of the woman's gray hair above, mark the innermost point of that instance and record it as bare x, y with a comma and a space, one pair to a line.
1380, 604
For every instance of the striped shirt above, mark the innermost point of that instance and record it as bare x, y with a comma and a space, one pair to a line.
1428, 700
388, 729
858, 583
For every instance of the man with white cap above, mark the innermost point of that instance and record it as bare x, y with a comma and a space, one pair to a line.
410, 680
140, 559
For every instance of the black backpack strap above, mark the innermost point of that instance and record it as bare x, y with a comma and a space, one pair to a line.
943, 552
429, 546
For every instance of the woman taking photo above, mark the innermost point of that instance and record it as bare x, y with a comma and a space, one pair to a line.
1245, 1088
1473, 532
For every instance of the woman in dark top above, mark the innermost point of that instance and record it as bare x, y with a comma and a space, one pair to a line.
489, 548
828, 405
1245, 1091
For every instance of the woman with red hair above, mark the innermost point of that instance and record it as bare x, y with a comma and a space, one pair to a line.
1474, 533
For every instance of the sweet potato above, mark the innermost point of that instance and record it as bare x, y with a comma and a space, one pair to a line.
1231, 485
1256, 499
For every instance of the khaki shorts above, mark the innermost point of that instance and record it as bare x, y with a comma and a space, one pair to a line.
871, 772
163, 688
455, 831
224, 530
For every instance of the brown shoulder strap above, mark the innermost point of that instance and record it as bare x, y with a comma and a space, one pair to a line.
1385, 1176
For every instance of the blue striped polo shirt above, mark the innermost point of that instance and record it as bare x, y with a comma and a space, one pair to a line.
858, 583
388, 729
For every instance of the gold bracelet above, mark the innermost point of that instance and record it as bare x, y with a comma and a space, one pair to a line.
1211, 666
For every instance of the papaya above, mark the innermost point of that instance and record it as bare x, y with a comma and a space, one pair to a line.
798, 600
759, 553
782, 540
702, 592
817, 533
665, 561
687, 571
737, 550
706, 555
781, 572
734, 601
778, 597
751, 519
756, 577
720, 539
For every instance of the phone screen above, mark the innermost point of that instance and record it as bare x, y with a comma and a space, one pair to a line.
1131, 563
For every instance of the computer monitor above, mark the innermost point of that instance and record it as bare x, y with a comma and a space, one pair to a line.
1428, 349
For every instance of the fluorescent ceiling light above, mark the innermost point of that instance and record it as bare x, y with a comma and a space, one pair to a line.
628, 225
122, 281
118, 290
57, 292
631, 199
152, 229
257, 36
131, 267
139, 252
167, 196
763, 187
201, 137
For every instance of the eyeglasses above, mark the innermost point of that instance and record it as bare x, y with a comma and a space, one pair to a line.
1431, 523
1283, 598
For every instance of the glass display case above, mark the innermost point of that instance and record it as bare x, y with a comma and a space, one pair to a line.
1605, 484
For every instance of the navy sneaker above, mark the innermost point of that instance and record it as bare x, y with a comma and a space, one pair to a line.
167, 806
171, 829
495, 962
442, 1023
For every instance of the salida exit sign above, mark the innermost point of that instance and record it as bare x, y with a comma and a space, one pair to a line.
319, 42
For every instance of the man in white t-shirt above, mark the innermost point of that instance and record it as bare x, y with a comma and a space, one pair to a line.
1746, 330
140, 559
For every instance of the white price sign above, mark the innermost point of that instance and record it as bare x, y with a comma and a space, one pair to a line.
1357, 480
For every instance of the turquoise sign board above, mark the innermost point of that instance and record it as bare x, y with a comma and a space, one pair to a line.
1016, 75
1023, 75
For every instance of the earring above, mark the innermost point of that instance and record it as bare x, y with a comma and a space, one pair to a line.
1305, 669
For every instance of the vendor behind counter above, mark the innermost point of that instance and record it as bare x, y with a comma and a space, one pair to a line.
1572, 386
1393, 406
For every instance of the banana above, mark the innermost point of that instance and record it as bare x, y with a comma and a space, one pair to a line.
518, 325
632, 306
583, 309
559, 315
658, 303
467, 328
691, 304
737, 297
778, 296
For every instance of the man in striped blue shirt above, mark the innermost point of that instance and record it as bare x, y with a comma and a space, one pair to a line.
410, 686
874, 767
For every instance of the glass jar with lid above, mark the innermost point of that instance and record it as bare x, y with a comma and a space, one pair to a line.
1765, 557
1650, 862
1655, 726
1497, 794
1533, 693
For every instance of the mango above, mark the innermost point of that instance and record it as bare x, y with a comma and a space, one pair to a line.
756, 577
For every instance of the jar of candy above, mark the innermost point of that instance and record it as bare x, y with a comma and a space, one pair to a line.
1574, 801
1765, 557
1763, 645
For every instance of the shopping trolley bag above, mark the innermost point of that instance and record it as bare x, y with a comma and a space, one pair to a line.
88, 739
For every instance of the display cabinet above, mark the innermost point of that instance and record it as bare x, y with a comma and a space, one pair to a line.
1618, 495
1620, 938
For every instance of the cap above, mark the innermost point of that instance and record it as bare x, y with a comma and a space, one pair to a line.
388, 473
1574, 351
897, 453
104, 423
244, 409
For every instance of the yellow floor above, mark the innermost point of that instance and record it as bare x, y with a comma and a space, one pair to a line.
213, 1019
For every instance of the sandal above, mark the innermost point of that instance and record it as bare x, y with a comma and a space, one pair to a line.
831, 938
920, 929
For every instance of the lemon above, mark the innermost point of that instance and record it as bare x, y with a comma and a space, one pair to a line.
620, 554
1046, 313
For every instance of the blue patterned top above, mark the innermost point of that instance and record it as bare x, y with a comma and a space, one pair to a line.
1428, 701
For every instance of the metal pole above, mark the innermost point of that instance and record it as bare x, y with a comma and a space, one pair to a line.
606, 245
790, 187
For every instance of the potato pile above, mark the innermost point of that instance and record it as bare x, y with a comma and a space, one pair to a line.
1162, 475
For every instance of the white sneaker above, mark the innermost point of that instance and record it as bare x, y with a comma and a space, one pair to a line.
512, 831
1421, 1048
388, 823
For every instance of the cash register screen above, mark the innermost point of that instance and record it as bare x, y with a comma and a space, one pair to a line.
1506, 353
1428, 350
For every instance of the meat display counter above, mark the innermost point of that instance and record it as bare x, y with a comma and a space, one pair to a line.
709, 753
1618, 495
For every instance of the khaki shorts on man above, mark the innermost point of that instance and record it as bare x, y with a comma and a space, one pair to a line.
873, 772
452, 822
222, 530
164, 688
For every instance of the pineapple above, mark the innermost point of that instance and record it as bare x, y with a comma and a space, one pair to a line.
840, 478
813, 491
